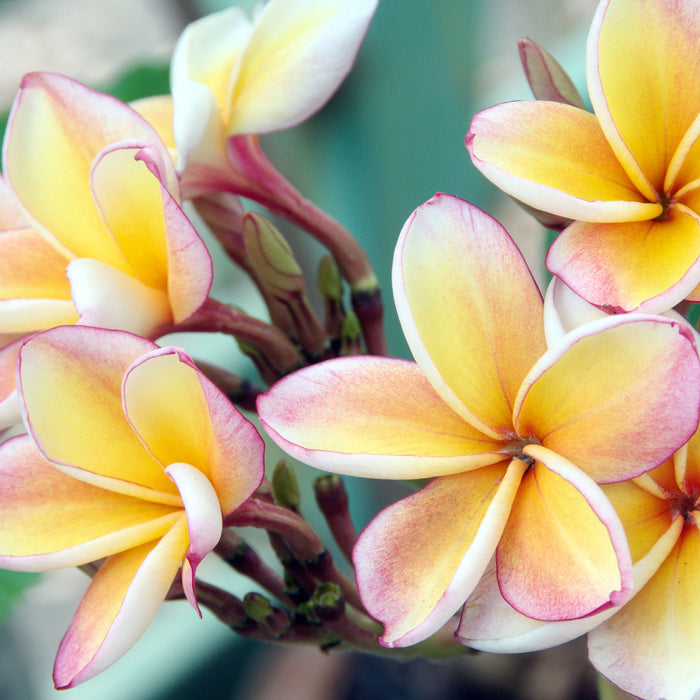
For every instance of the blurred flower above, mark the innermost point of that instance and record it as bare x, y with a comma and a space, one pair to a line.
99, 194
627, 174
234, 75
517, 435
139, 460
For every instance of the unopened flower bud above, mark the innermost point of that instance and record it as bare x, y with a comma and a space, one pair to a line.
547, 79
271, 256
285, 486
351, 336
330, 281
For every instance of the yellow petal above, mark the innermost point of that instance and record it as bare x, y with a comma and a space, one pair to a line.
647, 264
30, 267
471, 312
71, 388
598, 396
555, 157
419, 559
650, 648
563, 553
639, 55
118, 606
374, 417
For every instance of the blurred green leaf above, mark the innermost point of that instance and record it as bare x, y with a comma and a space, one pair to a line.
12, 585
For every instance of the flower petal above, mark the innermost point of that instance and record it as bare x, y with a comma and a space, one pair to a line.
23, 316
419, 559
56, 128
371, 416
645, 265
118, 606
30, 267
106, 297
563, 553
597, 396
650, 647
181, 416
555, 157
471, 312
294, 61
49, 520
70, 387
204, 522
642, 97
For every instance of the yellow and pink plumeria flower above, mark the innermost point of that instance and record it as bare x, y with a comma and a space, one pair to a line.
92, 230
517, 435
629, 174
233, 75
133, 456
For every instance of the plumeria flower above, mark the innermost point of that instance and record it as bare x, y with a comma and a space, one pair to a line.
100, 195
516, 436
132, 456
628, 174
234, 75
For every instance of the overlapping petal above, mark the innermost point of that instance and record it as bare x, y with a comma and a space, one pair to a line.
370, 416
625, 258
593, 399
48, 518
49, 152
118, 606
585, 565
419, 559
56, 385
650, 647
556, 158
477, 333
643, 98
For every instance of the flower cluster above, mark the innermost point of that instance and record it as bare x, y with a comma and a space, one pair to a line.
558, 435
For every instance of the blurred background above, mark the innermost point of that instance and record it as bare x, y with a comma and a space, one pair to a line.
391, 137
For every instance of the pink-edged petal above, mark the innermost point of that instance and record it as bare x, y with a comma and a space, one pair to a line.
642, 97
563, 553
647, 265
296, 58
181, 416
57, 126
555, 157
470, 310
30, 267
650, 647
204, 521
127, 196
419, 559
118, 606
70, 386
106, 297
49, 520
489, 623
597, 396
371, 416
